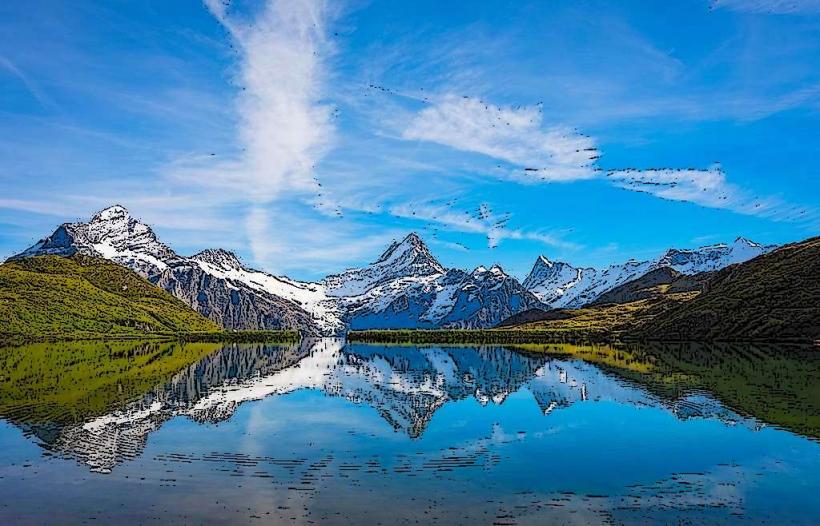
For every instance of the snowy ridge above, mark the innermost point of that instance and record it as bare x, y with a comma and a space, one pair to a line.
406, 287
309, 296
560, 285
112, 234
408, 258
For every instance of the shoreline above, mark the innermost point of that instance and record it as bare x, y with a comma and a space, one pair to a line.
512, 337
206, 337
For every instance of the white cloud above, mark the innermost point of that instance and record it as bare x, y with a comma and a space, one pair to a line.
516, 135
309, 244
492, 226
708, 188
284, 130
769, 6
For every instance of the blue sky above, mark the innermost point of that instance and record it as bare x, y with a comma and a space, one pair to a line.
306, 136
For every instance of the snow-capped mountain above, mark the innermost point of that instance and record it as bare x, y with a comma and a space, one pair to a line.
213, 282
560, 285
112, 234
712, 257
405, 287
408, 258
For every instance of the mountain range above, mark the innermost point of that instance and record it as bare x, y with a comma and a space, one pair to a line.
772, 297
406, 287
561, 285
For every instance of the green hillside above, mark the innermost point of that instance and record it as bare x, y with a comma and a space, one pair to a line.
605, 322
50, 297
774, 296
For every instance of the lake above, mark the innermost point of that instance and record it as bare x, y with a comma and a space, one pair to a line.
329, 432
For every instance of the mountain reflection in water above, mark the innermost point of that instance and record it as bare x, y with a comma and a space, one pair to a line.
97, 405
406, 385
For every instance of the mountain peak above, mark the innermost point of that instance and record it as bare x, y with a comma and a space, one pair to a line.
112, 213
544, 270
411, 242
408, 258
742, 241
411, 252
543, 260
220, 258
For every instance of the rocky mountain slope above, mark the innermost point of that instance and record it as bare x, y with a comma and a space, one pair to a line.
408, 288
774, 296
213, 282
653, 284
405, 287
560, 285
83, 297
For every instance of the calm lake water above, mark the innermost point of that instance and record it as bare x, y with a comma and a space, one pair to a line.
325, 432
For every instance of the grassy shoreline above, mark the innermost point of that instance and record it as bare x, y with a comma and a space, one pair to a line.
250, 336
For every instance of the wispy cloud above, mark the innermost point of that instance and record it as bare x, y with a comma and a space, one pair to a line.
709, 188
487, 224
517, 135
284, 130
770, 6
33, 88
310, 244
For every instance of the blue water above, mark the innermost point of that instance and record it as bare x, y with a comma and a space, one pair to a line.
335, 433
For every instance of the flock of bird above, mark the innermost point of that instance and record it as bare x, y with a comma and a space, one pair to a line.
632, 179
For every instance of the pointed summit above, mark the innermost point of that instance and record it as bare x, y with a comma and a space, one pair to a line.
543, 260
544, 270
408, 258
742, 241
113, 234
410, 253
112, 213
219, 258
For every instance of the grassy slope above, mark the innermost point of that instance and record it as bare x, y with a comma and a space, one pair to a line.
774, 296
83, 297
608, 321
598, 323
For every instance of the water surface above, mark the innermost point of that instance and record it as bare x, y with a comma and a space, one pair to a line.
328, 432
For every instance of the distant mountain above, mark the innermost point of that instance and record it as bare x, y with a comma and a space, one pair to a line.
85, 297
774, 296
405, 287
213, 282
111, 234
405, 259
560, 285
655, 283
